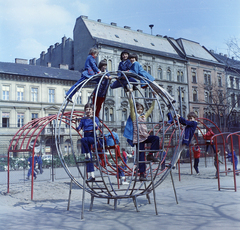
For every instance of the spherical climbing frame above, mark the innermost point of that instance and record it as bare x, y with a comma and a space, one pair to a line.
105, 185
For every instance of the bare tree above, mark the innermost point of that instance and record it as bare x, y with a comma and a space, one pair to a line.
221, 104
233, 48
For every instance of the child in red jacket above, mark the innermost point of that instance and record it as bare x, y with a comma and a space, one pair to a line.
196, 152
208, 137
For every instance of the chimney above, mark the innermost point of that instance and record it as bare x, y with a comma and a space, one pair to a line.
113, 24
63, 66
21, 61
127, 27
32, 61
232, 58
83, 16
158, 35
50, 49
56, 44
99, 20
139, 31
221, 54
49, 64
225, 55
212, 51
63, 41
42, 55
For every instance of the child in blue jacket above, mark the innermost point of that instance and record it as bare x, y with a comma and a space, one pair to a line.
191, 126
229, 156
124, 65
90, 69
138, 69
87, 125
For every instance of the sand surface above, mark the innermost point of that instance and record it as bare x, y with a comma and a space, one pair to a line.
201, 205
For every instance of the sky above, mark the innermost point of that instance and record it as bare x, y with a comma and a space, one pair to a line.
28, 27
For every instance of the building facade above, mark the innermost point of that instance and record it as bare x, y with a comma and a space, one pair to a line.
184, 68
29, 92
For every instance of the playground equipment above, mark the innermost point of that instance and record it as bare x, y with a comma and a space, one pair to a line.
106, 186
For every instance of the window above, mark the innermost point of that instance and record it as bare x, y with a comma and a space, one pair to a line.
178, 76
136, 93
210, 97
219, 80
194, 77
148, 93
237, 83
20, 91
106, 114
169, 75
34, 94
20, 119
231, 82
34, 116
88, 96
111, 117
79, 98
195, 95
110, 91
51, 95
149, 70
109, 66
238, 101
5, 92
5, 120
159, 74
207, 78
206, 97
182, 77
183, 98
213, 117
124, 114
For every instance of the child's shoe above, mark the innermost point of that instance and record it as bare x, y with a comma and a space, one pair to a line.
142, 177
150, 157
90, 179
87, 157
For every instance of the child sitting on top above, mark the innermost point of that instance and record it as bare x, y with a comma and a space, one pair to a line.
124, 65
90, 69
103, 88
140, 134
87, 125
138, 69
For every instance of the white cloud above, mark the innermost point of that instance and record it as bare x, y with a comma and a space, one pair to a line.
33, 47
